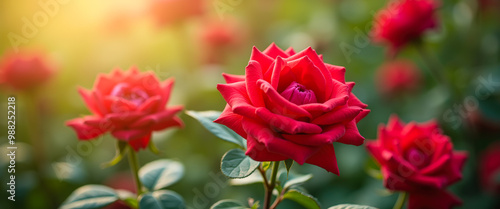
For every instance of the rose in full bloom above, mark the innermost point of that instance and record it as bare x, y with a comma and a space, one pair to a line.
403, 21
292, 106
130, 105
418, 159
25, 71
398, 77
490, 168
168, 12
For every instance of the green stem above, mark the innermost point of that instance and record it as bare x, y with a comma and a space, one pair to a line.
271, 185
134, 167
401, 200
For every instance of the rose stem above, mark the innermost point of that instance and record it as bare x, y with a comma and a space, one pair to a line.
401, 201
37, 142
271, 185
134, 167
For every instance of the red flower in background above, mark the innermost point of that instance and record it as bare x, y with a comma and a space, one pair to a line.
403, 21
167, 12
131, 105
220, 38
397, 77
418, 159
490, 168
25, 71
292, 106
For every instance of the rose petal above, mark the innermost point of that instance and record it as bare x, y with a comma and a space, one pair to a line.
91, 102
352, 135
157, 118
232, 121
326, 159
258, 151
277, 145
276, 103
233, 78
330, 135
318, 62
253, 73
151, 105
286, 124
432, 199
140, 143
264, 60
337, 72
236, 96
274, 51
273, 75
130, 134
344, 114
84, 131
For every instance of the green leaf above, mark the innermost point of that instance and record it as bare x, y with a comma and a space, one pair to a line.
302, 198
235, 164
228, 204
351, 206
266, 165
161, 199
90, 196
288, 164
160, 174
296, 180
121, 150
288, 180
206, 119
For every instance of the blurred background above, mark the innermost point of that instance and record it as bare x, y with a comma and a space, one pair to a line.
195, 41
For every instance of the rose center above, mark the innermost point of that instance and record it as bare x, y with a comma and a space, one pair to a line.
298, 94
417, 158
135, 95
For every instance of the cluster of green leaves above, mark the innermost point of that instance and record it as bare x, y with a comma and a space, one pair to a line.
155, 176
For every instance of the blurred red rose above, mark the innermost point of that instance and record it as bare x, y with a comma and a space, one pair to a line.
25, 71
403, 21
397, 77
131, 105
292, 106
167, 12
220, 38
490, 168
418, 159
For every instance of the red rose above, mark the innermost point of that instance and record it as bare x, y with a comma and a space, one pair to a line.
25, 71
220, 38
490, 168
397, 77
418, 159
131, 105
292, 106
403, 21
167, 12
